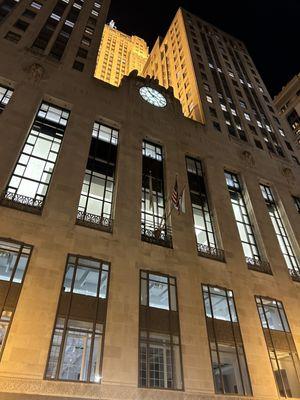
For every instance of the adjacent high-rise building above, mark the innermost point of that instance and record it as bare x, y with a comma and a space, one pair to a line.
217, 83
287, 103
119, 54
140, 250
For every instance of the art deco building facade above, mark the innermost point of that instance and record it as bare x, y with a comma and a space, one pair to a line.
119, 54
287, 103
104, 292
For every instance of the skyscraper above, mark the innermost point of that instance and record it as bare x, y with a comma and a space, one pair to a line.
140, 250
287, 103
119, 54
217, 83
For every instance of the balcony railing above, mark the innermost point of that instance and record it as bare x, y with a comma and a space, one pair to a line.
259, 265
157, 235
94, 221
295, 275
210, 252
21, 202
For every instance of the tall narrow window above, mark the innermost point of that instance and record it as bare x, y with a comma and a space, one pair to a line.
297, 203
160, 364
14, 258
244, 225
281, 347
154, 222
228, 358
65, 33
28, 185
5, 96
281, 233
6, 6
77, 341
50, 26
203, 224
96, 199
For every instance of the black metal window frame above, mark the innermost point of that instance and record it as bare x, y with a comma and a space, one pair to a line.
269, 339
200, 202
65, 329
229, 293
49, 126
104, 220
297, 203
281, 233
244, 223
16, 249
145, 334
157, 231
5, 96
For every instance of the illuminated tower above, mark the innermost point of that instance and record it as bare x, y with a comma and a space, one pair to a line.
119, 54
217, 83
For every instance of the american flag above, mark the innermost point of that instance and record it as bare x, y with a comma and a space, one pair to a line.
175, 196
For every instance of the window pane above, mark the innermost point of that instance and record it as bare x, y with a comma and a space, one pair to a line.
158, 295
86, 281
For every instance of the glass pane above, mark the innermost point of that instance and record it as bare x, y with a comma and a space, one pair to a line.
160, 367
4, 324
230, 370
75, 357
86, 281
96, 357
18, 276
7, 263
173, 298
68, 278
158, 295
144, 292
54, 354
103, 285
220, 307
288, 373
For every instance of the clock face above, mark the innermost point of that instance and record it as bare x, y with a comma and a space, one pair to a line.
153, 97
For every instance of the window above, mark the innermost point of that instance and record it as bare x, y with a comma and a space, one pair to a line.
78, 65
154, 224
244, 225
281, 347
209, 99
203, 225
243, 104
5, 96
12, 36
22, 25
217, 126
160, 364
14, 258
96, 199
229, 366
6, 7
297, 203
247, 116
29, 14
29, 183
258, 144
77, 342
281, 233
36, 5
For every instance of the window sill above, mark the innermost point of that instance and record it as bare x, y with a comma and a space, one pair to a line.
94, 221
210, 252
259, 266
295, 275
22, 203
159, 237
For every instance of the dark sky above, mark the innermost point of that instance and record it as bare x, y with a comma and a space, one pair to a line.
270, 29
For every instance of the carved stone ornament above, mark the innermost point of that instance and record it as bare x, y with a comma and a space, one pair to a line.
248, 158
288, 174
36, 71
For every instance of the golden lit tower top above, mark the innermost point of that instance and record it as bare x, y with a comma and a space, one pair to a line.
119, 54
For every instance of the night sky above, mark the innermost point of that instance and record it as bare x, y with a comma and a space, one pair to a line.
270, 29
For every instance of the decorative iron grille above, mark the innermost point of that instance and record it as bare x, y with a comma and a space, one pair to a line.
210, 252
157, 235
24, 203
258, 265
94, 221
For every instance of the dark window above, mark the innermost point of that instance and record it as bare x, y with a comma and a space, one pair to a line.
281, 347
160, 364
213, 112
288, 145
95, 205
64, 35
203, 224
5, 96
22, 25
14, 258
6, 7
217, 125
228, 359
297, 203
258, 144
82, 53
154, 223
32, 174
48, 29
77, 341
281, 233
244, 224
29, 14
12, 36
253, 130
78, 65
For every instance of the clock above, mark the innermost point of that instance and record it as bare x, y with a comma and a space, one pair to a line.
153, 97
